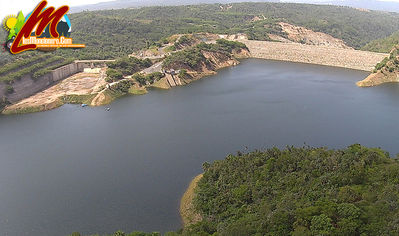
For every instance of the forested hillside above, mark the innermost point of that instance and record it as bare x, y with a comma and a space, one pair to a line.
115, 33
112, 33
300, 191
297, 191
384, 44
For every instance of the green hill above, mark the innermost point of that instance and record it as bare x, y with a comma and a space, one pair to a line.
113, 33
116, 33
384, 45
300, 191
297, 191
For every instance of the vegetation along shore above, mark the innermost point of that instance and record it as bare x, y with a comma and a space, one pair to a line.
293, 191
344, 37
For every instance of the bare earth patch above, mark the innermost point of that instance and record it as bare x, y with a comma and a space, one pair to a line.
79, 84
187, 211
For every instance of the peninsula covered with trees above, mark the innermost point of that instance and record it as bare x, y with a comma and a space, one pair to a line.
297, 191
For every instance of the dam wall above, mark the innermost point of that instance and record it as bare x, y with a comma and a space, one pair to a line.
27, 86
312, 54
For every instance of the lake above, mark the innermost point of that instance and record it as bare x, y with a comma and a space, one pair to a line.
93, 171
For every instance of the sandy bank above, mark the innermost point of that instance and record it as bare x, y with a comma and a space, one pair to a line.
378, 79
187, 212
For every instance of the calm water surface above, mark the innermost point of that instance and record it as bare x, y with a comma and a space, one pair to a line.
88, 170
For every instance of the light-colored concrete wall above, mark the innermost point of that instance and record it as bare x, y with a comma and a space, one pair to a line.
27, 86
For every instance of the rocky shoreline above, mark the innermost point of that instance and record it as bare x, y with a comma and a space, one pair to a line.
379, 78
96, 94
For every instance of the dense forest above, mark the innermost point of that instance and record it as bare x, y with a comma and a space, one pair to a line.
116, 33
297, 191
300, 191
192, 58
384, 45
113, 33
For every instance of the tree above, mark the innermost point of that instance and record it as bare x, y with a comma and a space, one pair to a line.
321, 225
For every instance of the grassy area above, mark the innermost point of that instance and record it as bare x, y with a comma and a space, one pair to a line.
161, 84
24, 110
78, 99
137, 91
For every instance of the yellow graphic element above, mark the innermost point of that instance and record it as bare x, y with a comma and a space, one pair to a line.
9, 22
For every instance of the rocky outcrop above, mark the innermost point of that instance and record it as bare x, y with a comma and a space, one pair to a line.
216, 61
306, 36
378, 79
387, 71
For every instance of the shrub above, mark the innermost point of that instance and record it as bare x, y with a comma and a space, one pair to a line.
9, 89
114, 75
382, 64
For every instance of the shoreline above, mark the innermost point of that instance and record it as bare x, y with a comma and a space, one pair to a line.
265, 50
378, 78
15, 109
186, 209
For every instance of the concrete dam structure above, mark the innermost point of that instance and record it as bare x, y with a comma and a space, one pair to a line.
27, 86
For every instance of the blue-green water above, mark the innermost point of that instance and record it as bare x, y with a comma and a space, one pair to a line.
93, 171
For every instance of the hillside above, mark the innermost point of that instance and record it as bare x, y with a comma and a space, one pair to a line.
387, 71
110, 34
131, 75
299, 191
295, 191
384, 44
389, 6
114, 33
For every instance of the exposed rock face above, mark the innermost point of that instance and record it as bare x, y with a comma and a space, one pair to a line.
386, 71
216, 61
378, 79
306, 36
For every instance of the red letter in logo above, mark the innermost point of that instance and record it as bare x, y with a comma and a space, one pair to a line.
42, 19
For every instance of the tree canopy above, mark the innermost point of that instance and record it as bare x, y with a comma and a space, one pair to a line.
300, 191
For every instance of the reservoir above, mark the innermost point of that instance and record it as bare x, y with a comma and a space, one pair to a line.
96, 171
